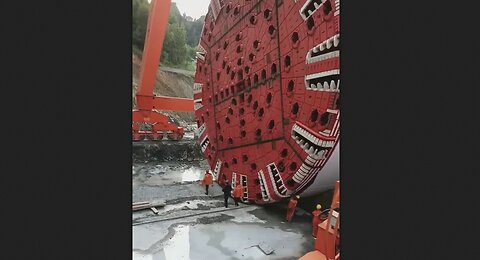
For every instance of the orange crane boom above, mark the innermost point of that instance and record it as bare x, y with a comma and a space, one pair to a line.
147, 102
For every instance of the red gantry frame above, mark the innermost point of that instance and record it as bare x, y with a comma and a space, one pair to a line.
147, 102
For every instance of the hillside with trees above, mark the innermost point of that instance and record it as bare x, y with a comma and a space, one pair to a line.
181, 38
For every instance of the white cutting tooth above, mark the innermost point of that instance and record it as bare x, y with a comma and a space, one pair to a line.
310, 12
315, 50
329, 43
325, 85
322, 46
306, 146
336, 40
302, 142
319, 154
311, 150
316, 5
313, 86
319, 85
338, 84
332, 84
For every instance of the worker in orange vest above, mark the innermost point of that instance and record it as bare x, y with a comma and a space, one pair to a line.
207, 180
316, 220
237, 193
292, 204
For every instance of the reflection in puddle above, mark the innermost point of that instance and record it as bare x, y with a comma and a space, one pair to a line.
191, 174
158, 175
220, 240
179, 246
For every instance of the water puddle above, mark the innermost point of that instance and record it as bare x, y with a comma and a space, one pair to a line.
179, 246
223, 240
192, 174
166, 174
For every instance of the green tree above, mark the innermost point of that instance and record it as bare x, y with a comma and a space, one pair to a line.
194, 29
140, 10
181, 38
174, 45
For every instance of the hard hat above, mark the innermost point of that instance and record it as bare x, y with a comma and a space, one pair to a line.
298, 196
319, 206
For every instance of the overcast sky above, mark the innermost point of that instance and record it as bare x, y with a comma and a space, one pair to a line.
193, 8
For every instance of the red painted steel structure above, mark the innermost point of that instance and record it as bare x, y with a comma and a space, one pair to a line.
147, 102
267, 92
327, 243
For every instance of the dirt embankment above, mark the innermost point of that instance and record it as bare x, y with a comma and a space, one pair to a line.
185, 150
168, 84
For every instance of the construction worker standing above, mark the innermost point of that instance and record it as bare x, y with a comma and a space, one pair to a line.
227, 190
292, 204
316, 220
237, 193
207, 180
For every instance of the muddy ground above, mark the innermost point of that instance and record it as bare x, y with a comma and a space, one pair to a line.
163, 151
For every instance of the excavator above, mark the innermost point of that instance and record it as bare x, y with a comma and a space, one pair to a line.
148, 123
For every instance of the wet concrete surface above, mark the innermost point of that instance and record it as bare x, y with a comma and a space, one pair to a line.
233, 234
172, 181
193, 225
